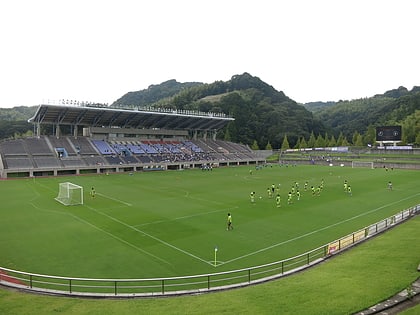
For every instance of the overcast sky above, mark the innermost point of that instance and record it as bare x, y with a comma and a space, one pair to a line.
312, 50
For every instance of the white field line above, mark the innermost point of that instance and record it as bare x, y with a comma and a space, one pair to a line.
139, 231
99, 229
151, 236
119, 239
185, 217
318, 230
115, 199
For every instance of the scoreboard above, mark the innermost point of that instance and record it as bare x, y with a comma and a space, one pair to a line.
388, 133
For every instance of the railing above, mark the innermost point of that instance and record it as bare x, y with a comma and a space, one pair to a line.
197, 283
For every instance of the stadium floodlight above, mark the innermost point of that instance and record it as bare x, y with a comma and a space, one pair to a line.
70, 194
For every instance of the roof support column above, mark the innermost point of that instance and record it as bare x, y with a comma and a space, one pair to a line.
75, 132
37, 129
57, 131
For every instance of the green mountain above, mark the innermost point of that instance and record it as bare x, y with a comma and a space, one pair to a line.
263, 115
394, 107
153, 93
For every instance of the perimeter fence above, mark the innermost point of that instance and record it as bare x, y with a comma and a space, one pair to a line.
195, 284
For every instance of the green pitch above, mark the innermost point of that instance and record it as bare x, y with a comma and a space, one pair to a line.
159, 224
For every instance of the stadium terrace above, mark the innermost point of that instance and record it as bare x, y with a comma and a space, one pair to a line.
89, 139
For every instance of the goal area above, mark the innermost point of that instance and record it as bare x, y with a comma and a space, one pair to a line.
361, 164
70, 194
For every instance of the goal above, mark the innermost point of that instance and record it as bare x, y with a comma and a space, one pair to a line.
70, 194
361, 164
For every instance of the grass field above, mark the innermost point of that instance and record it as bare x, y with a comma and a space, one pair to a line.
156, 224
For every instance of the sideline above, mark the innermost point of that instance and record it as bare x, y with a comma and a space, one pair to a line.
319, 230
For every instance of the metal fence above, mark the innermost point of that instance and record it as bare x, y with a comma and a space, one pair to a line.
194, 284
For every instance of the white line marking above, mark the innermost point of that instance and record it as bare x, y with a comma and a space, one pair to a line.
316, 231
114, 199
99, 229
151, 236
185, 217
120, 239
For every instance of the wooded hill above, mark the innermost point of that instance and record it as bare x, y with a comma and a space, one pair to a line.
265, 117
395, 107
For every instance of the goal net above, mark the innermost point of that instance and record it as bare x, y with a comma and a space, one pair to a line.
70, 194
361, 164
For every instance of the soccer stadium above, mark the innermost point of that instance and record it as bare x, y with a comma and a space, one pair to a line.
134, 203
114, 140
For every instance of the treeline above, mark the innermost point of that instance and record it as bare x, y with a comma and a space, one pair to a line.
265, 117
262, 114
14, 122
395, 107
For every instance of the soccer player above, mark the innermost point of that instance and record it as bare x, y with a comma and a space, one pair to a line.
229, 222
345, 186
252, 196
349, 190
305, 187
93, 192
289, 198
269, 192
298, 195
278, 201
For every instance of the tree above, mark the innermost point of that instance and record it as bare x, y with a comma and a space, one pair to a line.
359, 141
320, 142
345, 143
370, 135
255, 146
303, 144
340, 139
297, 145
312, 140
332, 142
356, 135
285, 145
418, 139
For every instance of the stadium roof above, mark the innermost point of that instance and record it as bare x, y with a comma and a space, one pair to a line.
104, 116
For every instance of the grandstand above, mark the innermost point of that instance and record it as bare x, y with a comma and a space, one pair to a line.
102, 139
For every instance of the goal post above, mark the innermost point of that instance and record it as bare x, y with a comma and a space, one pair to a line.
70, 194
361, 164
